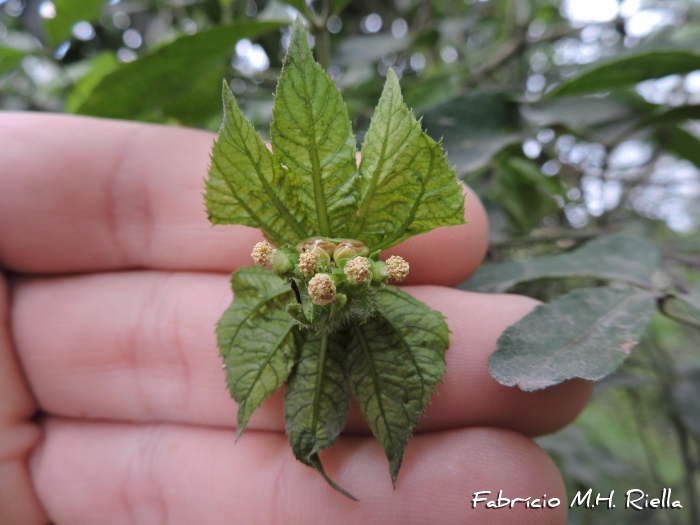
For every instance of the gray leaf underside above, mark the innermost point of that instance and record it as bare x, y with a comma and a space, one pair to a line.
394, 362
616, 257
256, 339
316, 399
587, 333
311, 135
408, 186
247, 186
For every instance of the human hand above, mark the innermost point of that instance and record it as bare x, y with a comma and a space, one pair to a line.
116, 281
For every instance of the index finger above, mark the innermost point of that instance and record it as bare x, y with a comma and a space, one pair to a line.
87, 194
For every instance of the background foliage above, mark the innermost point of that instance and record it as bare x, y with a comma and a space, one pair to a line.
571, 119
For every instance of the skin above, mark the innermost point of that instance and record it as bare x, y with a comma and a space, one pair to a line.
113, 282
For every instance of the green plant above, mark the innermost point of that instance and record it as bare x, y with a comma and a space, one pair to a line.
324, 321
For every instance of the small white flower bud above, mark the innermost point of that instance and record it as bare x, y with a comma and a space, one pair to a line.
396, 269
322, 289
308, 262
357, 270
263, 253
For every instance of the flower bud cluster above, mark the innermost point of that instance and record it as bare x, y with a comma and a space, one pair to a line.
263, 253
335, 279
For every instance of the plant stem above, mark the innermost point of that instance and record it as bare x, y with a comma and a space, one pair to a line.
323, 37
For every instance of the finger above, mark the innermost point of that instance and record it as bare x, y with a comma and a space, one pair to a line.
98, 194
18, 501
141, 346
109, 473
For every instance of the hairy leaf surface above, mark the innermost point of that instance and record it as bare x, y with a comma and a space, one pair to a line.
256, 339
617, 257
316, 399
312, 137
587, 333
407, 185
246, 185
395, 361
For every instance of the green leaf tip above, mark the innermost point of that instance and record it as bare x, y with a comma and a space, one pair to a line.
324, 321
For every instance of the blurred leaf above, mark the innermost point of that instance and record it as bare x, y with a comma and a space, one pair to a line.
683, 307
686, 398
430, 90
337, 6
68, 12
523, 192
587, 333
99, 67
669, 116
356, 50
10, 59
576, 112
681, 142
428, 38
617, 257
474, 127
628, 70
179, 80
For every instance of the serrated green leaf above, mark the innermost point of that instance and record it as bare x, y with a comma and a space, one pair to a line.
316, 399
407, 185
312, 137
395, 361
628, 70
617, 257
587, 333
10, 59
256, 339
246, 185
68, 12
178, 80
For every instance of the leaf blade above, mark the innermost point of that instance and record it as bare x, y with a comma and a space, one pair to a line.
311, 135
617, 257
408, 187
587, 333
394, 362
134, 89
628, 70
245, 185
68, 12
256, 339
317, 399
